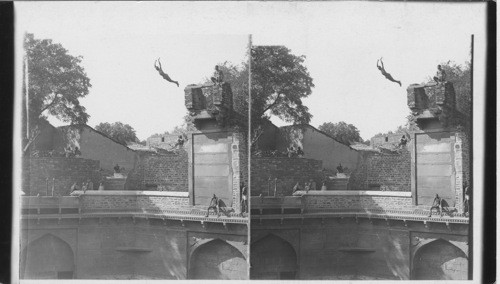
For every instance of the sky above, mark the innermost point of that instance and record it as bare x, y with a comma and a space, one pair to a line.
342, 41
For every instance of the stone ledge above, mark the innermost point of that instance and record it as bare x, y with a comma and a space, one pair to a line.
132, 193
354, 193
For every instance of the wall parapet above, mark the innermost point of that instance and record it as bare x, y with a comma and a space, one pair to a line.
356, 193
133, 193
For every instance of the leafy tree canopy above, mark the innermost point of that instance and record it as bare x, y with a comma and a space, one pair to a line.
177, 130
402, 129
342, 132
279, 83
123, 133
56, 81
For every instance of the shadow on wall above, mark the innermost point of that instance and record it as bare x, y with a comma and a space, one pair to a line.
272, 258
439, 260
217, 260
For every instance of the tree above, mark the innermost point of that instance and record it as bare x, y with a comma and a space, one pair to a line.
342, 132
402, 129
122, 133
460, 76
279, 83
56, 81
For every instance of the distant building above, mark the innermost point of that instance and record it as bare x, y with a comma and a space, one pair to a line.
166, 141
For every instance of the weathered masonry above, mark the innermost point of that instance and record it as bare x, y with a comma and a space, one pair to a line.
161, 233
386, 233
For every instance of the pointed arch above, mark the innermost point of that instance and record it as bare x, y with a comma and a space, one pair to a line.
217, 259
48, 257
272, 257
439, 260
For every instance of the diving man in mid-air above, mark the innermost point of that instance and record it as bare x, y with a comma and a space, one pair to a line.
386, 75
163, 74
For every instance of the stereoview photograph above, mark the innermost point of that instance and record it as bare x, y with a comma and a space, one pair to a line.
248, 140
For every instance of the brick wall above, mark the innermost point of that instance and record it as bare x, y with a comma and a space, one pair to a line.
160, 172
356, 202
133, 202
288, 171
60, 172
383, 172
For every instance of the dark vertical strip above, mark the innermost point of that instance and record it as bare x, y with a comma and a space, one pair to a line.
470, 271
6, 124
249, 150
489, 188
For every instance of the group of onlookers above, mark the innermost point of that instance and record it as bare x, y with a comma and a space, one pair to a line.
88, 185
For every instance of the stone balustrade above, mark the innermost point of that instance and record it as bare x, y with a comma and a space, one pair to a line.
390, 202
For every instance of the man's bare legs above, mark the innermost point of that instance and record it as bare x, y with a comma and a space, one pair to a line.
163, 74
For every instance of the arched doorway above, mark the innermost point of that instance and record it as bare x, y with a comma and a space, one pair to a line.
273, 258
48, 257
217, 260
440, 260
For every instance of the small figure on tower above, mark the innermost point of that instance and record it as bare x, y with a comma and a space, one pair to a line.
440, 75
218, 77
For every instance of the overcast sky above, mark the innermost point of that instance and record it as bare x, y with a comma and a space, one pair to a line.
341, 40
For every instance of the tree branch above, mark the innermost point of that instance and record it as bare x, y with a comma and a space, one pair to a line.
271, 105
49, 105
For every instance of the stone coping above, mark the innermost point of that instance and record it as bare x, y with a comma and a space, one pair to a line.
131, 192
354, 193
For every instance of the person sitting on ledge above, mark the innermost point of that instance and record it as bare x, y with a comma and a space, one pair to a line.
84, 187
117, 169
402, 141
312, 185
90, 185
323, 186
77, 152
74, 187
218, 77
214, 204
437, 204
180, 142
340, 169
300, 153
244, 198
440, 75
297, 187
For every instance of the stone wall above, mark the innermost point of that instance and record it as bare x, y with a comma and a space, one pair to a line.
122, 249
60, 173
167, 172
346, 250
378, 171
389, 140
288, 171
164, 141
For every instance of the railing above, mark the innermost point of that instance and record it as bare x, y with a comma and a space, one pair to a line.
35, 207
